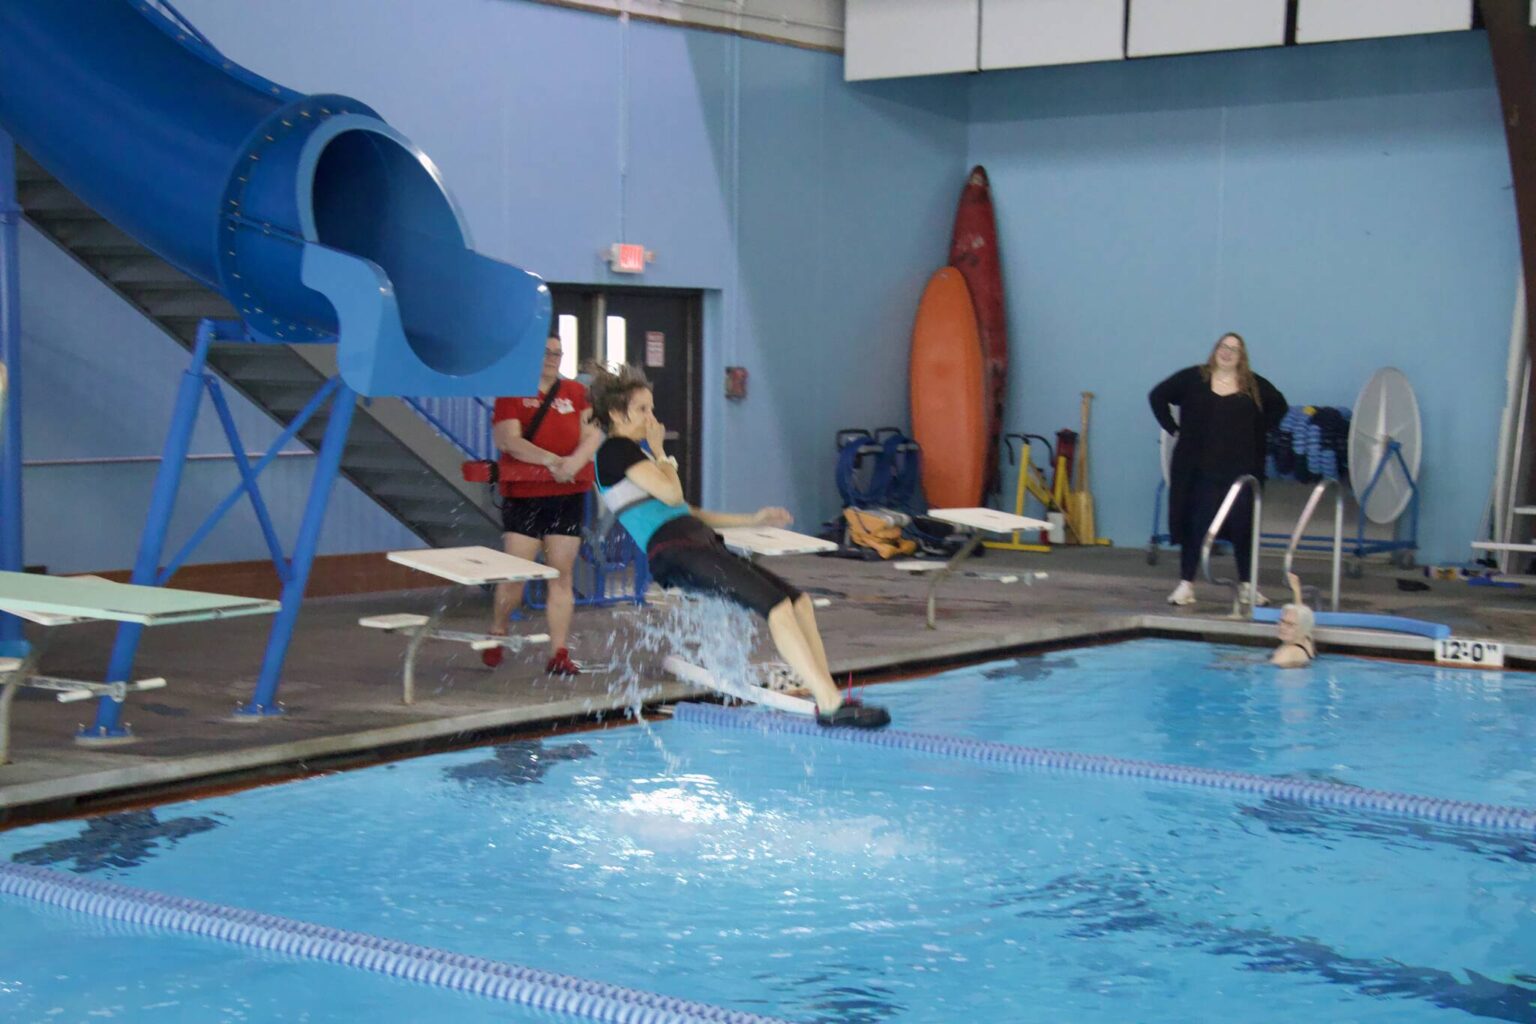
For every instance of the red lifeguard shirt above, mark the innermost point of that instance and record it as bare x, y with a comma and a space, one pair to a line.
560, 432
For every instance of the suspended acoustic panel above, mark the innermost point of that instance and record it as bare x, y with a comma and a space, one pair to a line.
900, 38
1033, 33
1325, 21
1195, 26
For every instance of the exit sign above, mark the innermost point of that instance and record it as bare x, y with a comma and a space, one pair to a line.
628, 259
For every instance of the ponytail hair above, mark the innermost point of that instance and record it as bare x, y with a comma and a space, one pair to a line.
612, 388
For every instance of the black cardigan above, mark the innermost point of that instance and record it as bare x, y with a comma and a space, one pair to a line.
1191, 392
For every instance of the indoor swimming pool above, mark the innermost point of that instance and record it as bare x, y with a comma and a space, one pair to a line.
804, 878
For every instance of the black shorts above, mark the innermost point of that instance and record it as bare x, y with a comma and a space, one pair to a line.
705, 567
557, 515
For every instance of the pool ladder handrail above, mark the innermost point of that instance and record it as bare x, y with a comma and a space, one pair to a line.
1338, 532
1238, 593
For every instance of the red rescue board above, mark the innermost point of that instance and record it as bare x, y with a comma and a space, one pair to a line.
973, 251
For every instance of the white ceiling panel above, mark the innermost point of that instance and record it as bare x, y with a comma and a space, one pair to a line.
1322, 21
897, 38
1031, 33
1193, 26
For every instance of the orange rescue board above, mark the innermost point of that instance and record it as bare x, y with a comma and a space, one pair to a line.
949, 393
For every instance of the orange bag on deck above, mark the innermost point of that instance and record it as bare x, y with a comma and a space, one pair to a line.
877, 532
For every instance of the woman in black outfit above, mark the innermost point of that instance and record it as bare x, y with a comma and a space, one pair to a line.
1225, 413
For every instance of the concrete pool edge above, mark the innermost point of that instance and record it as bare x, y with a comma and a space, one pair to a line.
169, 779
138, 782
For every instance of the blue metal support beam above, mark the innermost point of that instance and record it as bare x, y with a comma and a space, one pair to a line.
293, 572
162, 503
264, 700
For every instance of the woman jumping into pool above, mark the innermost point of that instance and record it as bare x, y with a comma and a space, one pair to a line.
642, 489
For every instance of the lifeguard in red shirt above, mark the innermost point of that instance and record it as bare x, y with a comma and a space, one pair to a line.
546, 443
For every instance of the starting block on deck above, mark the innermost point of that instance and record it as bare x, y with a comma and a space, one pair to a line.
756, 542
472, 567
979, 521
65, 600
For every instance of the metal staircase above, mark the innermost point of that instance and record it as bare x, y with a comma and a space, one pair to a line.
398, 458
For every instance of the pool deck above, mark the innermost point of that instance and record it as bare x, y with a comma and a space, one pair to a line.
342, 688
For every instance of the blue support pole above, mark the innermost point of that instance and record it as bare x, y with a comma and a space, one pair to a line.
12, 641
247, 477
264, 700
162, 504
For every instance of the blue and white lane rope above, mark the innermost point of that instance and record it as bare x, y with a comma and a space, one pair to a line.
1489, 817
493, 979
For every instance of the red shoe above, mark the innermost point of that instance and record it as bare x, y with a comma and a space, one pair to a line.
492, 656
562, 665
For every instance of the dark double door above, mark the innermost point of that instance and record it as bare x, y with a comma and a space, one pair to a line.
657, 330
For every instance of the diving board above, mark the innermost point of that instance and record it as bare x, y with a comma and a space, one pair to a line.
979, 521
691, 673
64, 600
91, 598
472, 566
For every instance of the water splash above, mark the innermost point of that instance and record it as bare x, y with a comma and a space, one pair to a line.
711, 632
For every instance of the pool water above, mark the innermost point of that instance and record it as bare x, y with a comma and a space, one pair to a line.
819, 882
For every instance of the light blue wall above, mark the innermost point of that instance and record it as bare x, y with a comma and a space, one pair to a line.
1343, 207
559, 132
847, 197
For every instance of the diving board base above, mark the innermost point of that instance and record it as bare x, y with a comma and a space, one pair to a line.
691, 673
16, 673
64, 600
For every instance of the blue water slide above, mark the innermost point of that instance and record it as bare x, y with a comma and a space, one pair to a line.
315, 218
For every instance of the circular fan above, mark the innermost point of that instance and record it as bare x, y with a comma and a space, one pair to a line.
1386, 412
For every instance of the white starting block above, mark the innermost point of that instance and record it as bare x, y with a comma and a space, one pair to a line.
754, 542
64, 600
473, 567
979, 521
770, 542
691, 673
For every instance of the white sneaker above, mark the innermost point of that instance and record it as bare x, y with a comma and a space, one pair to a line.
1253, 597
1183, 594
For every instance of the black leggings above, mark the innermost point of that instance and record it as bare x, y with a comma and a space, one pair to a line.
1206, 494
710, 568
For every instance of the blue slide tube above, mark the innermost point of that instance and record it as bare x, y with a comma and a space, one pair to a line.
313, 216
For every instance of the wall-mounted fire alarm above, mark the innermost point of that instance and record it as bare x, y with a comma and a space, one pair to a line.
736, 382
